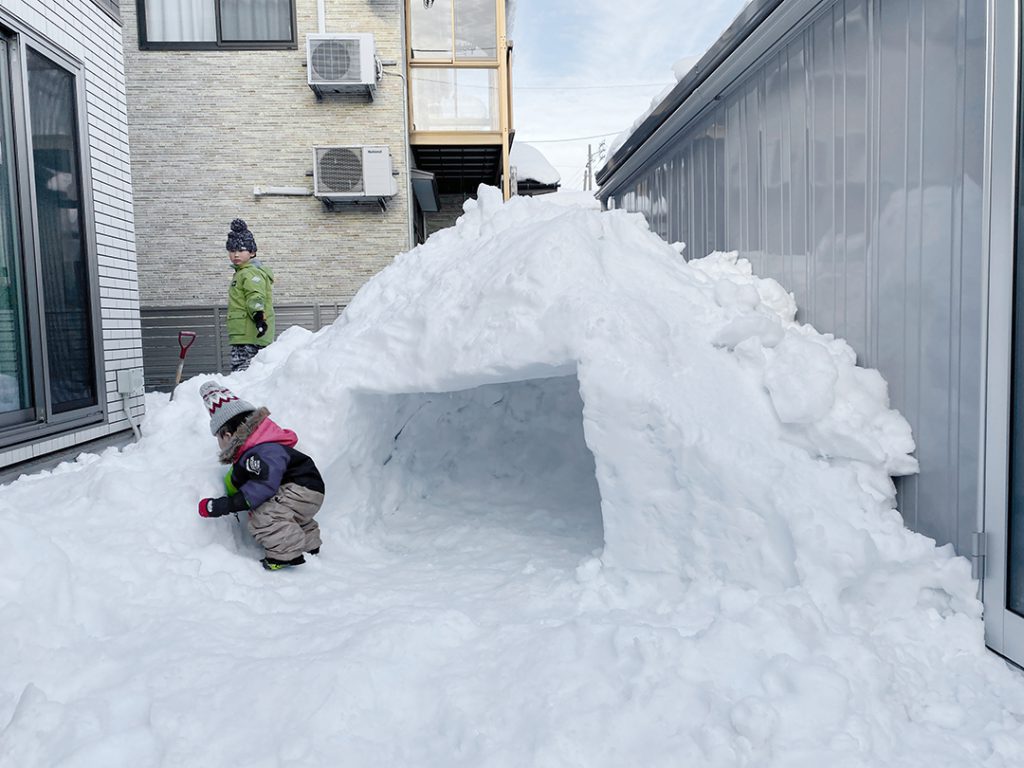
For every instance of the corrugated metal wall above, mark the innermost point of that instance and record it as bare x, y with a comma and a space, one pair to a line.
210, 351
848, 165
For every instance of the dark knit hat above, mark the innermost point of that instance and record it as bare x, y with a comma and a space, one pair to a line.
240, 238
222, 405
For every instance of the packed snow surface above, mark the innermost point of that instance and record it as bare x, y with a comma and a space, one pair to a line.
588, 505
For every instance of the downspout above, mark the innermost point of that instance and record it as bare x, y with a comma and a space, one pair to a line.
321, 16
408, 148
410, 201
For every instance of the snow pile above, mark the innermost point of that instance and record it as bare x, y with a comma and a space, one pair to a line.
588, 504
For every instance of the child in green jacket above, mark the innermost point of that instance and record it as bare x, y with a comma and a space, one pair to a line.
250, 298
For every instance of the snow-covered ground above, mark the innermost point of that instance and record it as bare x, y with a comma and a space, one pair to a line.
588, 505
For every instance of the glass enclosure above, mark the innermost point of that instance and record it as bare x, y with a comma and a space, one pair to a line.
456, 99
454, 30
462, 97
476, 30
431, 30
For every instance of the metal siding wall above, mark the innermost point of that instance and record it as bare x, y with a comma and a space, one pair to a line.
848, 166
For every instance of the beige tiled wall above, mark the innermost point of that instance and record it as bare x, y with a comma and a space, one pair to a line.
207, 127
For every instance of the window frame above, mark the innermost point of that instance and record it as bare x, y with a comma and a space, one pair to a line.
219, 44
109, 7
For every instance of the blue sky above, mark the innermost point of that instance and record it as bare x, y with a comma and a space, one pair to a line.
588, 67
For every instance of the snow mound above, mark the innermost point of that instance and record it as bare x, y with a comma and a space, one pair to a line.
701, 395
588, 504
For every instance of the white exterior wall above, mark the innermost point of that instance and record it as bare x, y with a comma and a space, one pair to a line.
88, 34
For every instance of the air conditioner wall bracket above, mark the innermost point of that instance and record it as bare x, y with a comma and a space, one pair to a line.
341, 205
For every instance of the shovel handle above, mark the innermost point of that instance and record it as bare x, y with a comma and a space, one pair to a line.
185, 339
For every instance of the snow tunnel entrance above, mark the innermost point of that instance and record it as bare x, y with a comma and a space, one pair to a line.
501, 460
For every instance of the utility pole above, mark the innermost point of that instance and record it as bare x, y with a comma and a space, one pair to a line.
588, 171
588, 174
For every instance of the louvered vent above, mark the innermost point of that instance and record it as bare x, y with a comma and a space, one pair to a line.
340, 170
334, 61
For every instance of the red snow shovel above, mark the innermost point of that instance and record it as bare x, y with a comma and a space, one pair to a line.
185, 339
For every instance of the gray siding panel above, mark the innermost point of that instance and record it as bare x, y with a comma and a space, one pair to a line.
847, 164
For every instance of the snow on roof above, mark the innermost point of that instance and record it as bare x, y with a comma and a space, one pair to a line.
586, 503
530, 163
680, 69
750, 15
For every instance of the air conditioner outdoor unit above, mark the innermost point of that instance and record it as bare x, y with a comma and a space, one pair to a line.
341, 63
353, 174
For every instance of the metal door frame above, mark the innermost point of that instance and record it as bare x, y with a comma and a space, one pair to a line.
1004, 629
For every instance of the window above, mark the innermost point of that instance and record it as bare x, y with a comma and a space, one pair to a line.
454, 30
198, 24
49, 368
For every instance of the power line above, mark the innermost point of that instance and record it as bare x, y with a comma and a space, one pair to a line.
577, 178
585, 87
575, 138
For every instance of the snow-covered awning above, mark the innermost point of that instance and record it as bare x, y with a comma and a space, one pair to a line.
530, 164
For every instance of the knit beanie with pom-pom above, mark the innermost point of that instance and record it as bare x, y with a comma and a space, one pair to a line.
240, 238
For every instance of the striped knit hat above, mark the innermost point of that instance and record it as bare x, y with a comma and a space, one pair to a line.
222, 404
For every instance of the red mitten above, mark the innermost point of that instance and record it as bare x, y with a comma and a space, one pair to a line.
204, 507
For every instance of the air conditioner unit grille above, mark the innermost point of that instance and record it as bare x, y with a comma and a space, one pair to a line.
340, 170
335, 61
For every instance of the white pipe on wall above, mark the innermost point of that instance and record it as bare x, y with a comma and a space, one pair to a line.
321, 16
287, 191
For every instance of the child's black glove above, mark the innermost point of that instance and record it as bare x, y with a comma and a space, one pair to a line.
261, 324
225, 505
215, 507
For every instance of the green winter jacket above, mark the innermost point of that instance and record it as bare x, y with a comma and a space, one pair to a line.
250, 292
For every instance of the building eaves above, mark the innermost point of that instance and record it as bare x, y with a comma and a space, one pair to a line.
748, 20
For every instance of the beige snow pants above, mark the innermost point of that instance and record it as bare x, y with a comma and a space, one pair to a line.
284, 524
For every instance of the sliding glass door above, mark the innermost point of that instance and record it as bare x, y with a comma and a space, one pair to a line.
49, 337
